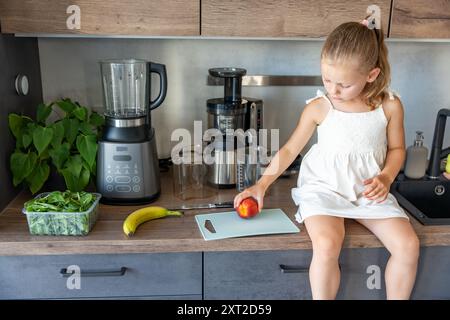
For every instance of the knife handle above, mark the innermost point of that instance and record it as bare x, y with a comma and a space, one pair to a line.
226, 204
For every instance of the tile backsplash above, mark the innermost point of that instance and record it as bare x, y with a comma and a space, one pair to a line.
69, 67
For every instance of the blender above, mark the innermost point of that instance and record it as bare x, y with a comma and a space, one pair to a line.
127, 161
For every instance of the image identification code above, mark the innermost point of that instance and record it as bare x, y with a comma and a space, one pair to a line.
226, 309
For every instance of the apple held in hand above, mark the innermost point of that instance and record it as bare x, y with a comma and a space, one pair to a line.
248, 208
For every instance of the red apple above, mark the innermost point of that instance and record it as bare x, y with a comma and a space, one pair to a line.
248, 208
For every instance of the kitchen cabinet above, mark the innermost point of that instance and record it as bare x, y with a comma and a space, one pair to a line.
257, 275
124, 17
362, 274
149, 276
433, 274
420, 19
284, 18
253, 275
228, 18
284, 274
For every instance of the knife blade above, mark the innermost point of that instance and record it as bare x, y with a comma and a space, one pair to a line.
226, 204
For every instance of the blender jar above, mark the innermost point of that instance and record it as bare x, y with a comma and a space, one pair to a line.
125, 87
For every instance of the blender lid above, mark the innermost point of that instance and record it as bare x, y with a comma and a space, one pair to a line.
227, 72
122, 61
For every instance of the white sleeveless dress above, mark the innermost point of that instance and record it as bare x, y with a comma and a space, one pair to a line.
351, 148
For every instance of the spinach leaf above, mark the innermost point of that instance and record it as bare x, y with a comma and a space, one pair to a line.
61, 213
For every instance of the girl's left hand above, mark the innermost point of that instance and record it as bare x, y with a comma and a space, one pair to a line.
377, 188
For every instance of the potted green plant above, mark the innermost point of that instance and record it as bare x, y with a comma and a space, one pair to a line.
68, 144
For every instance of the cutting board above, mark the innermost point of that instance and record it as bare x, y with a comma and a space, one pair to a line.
228, 224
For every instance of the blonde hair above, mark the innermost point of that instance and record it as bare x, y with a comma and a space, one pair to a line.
353, 40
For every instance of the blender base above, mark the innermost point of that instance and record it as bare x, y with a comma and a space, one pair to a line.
127, 202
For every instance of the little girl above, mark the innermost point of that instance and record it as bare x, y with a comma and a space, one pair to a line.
348, 173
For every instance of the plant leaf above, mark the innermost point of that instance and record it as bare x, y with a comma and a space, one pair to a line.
84, 179
74, 165
76, 183
19, 125
26, 140
70, 129
94, 169
80, 113
41, 138
58, 133
58, 201
22, 164
31, 126
70, 179
96, 120
43, 111
66, 105
59, 155
87, 146
38, 177
75, 173
15, 124
19, 144
44, 155
86, 128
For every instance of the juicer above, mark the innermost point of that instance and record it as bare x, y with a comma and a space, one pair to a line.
227, 114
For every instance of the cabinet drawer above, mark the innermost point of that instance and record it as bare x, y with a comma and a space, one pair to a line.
161, 274
257, 275
433, 274
362, 273
432, 281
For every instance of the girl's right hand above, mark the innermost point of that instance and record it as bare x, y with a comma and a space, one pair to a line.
256, 191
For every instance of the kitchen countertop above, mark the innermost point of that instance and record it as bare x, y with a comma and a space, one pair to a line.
174, 234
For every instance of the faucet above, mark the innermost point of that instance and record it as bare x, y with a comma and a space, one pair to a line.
438, 139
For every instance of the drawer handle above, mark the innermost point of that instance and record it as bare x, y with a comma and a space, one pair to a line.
296, 269
96, 273
293, 269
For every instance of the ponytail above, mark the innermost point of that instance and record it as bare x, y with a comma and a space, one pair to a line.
376, 91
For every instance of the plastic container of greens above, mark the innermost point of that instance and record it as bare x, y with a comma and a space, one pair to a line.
63, 223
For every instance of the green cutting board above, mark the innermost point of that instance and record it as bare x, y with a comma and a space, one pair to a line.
228, 224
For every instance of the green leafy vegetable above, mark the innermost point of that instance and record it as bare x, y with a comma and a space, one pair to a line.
61, 213
59, 201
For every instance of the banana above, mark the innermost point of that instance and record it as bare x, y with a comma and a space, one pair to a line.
140, 216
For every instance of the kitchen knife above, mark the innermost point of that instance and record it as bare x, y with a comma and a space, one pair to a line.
226, 204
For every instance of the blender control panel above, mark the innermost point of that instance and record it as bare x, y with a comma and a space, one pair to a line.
122, 171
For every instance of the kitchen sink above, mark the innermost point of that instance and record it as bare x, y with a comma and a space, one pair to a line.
428, 200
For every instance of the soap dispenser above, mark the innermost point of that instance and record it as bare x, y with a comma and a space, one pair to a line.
416, 158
